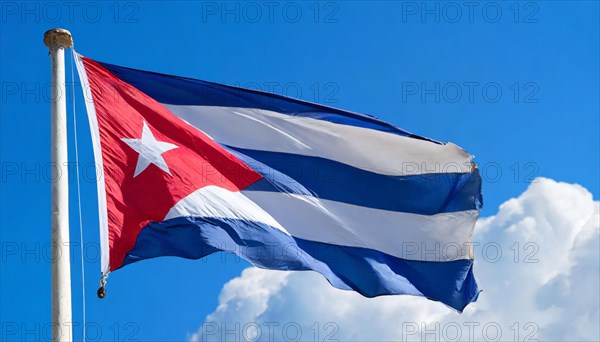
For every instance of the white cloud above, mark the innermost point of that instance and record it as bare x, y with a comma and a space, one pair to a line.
544, 286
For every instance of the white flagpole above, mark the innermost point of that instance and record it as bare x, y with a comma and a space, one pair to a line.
58, 40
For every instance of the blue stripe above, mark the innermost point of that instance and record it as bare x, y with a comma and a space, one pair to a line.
178, 90
369, 272
426, 194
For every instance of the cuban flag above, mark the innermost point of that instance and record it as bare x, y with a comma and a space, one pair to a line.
191, 167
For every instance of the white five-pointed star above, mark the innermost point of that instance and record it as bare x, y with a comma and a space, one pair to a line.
150, 151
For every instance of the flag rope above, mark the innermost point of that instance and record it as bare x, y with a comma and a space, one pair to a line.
78, 189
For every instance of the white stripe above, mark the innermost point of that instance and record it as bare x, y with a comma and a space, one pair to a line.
102, 211
441, 237
434, 237
368, 149
214, 201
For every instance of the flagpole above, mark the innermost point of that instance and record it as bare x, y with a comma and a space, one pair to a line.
58, 40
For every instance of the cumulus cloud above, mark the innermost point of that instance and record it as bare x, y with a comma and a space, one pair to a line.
537, 261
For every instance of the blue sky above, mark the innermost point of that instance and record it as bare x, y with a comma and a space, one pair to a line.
515, 84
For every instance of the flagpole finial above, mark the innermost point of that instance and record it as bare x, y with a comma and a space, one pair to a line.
58, 38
